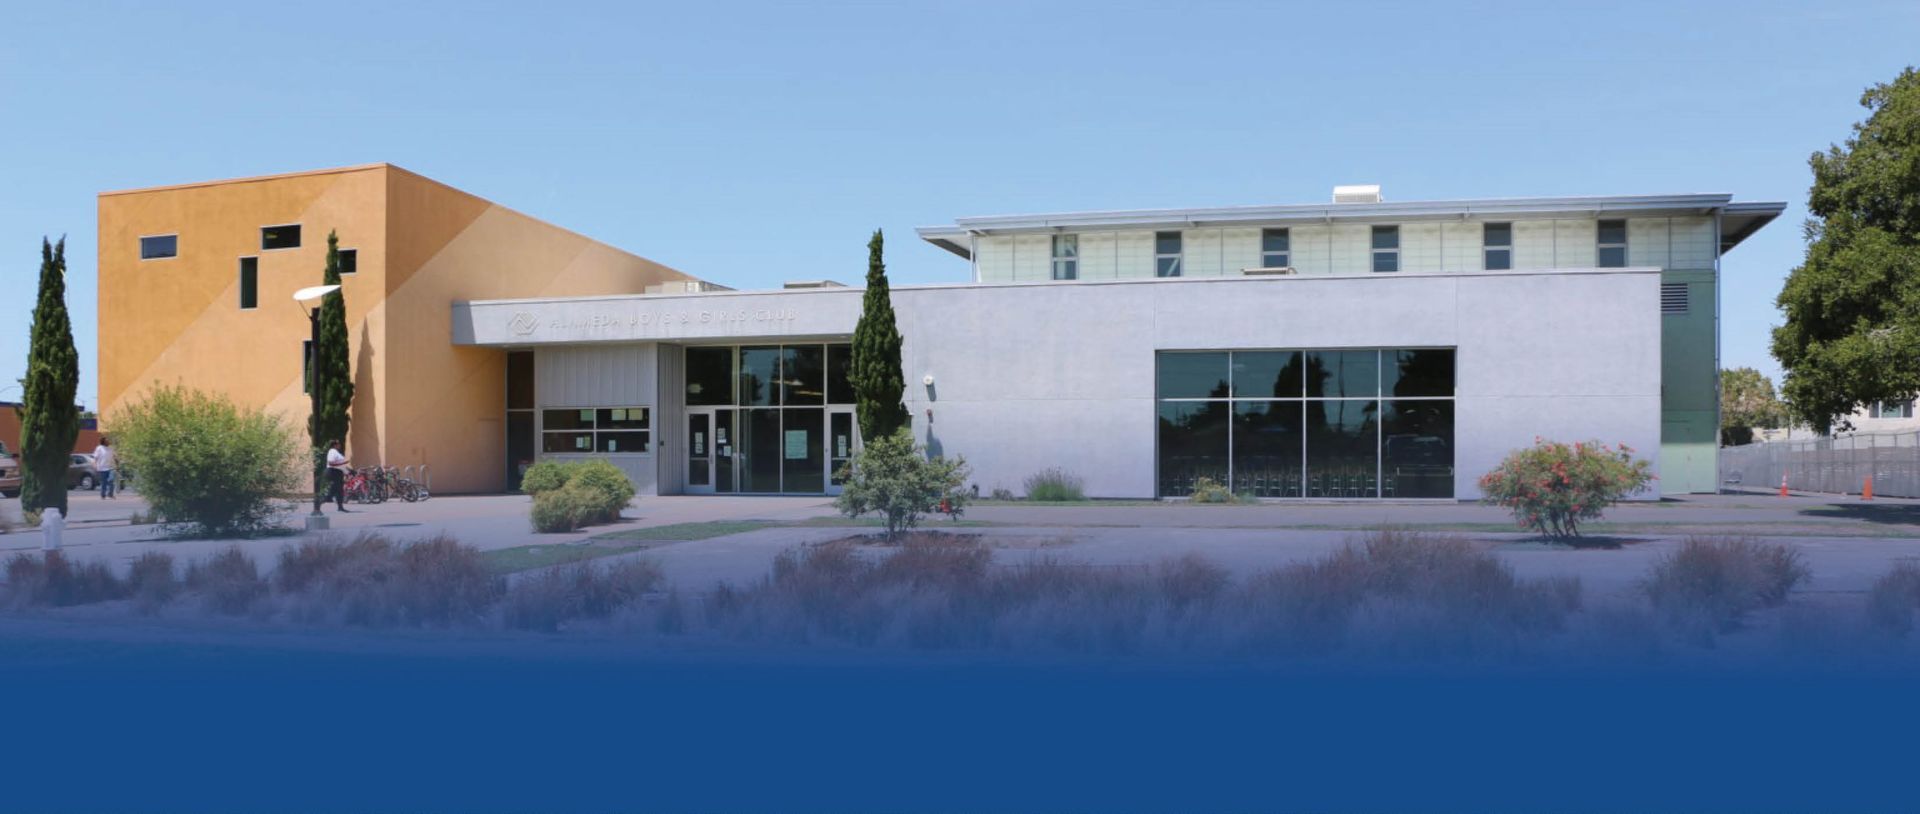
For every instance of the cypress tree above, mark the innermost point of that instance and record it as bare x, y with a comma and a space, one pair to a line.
876, 378
49, 420
332, 359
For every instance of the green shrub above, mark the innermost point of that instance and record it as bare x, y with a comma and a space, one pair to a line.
565, 509
50, 579
228, 581
1552, 487
1055, 485
371, 581
1208, 490
610, 488
546, 600
1710, 583
1891, 603
151, 580
598, 491
206, 465
893, 477
545, 476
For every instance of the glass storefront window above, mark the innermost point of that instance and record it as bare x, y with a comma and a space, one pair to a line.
1308, 423
1338, 374
803, 371
1416, 449
759, 377
621, 418
803, 461
839, 366
620, 442
1267, 442
1343, 452
560, 442
1193, 444
1410, 373
569, 419
1267, 374
1193, 375
709, 377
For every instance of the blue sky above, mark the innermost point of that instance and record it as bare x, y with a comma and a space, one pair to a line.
756, 143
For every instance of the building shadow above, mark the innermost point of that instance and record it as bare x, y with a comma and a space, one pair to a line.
364, 434
1897, 514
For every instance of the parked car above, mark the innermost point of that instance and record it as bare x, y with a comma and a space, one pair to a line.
9, 476
80, 472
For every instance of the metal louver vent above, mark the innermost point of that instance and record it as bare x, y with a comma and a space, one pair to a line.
1673, 298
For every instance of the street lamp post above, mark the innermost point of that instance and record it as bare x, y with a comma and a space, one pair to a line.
316, 520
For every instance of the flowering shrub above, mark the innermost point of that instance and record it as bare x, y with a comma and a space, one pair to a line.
1551, 487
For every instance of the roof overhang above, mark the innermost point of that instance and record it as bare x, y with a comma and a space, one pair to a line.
1738, 221
1742, 219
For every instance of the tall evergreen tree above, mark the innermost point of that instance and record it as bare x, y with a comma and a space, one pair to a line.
332, 359
1852, 308
49, 419
876, 378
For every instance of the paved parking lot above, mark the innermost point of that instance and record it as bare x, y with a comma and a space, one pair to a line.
1848, 542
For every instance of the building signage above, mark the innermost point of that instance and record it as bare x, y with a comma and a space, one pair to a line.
643, 319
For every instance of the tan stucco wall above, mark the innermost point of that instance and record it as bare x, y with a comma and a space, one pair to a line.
453, 398
178, 320
422, 245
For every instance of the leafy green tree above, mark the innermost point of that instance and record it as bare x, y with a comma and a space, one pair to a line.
332, 361
49, 419
1852, 331
877, 381
1747, 403
892, 476
206, 466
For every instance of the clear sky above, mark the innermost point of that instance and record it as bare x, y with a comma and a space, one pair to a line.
756, 143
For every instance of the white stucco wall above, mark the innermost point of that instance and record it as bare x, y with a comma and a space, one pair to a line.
1030, 376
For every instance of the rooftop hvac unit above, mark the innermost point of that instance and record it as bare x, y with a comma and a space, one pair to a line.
1356, 193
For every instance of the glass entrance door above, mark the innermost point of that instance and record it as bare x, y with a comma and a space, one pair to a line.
710, 451
842, 440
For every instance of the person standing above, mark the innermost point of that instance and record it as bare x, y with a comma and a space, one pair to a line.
337, 476
104, 462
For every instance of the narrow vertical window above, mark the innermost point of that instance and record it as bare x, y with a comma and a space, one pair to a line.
1166, 254
1066, 257
349, 261
1386, 248
159, 247
249, 282
1275, 249
1498, 241
1613, 244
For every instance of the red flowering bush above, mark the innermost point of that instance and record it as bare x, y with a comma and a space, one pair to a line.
1552, 487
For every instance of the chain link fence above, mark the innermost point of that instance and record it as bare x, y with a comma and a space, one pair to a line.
1836, 465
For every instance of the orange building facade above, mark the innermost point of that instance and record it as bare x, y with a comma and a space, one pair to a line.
196, 285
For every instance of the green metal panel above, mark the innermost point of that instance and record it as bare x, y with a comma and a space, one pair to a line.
1690, 389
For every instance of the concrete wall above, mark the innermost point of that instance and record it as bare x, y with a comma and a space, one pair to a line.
1033, 376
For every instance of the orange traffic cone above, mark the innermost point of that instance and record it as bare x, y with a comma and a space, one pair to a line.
1867, 493
1783, 483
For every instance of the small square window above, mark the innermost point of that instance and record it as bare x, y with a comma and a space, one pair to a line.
1166, 258
280, 237
159, 247
1612, 244
1386, 248
349, 261
1275, 248
1066, 257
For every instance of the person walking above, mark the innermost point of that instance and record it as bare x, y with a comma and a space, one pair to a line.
104, 462
337, 476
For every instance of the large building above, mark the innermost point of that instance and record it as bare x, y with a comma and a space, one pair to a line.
1358, 349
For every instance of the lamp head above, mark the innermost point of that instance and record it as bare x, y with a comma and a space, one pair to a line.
314, 292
